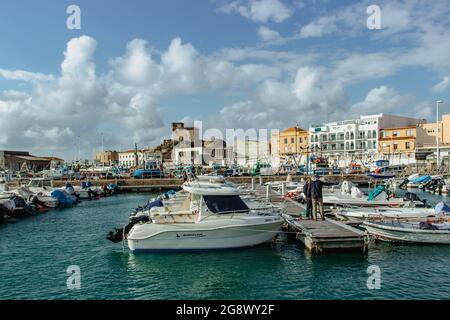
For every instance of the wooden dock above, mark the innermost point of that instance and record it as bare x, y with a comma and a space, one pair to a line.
318, 236
328, 235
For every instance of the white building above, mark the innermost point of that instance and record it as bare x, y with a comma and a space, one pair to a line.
353, 140
187, 155
247, 152
275, 149
127, 159
213, 152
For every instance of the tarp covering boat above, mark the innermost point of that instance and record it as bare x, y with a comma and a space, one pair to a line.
375, 193
64, 199
421, 179
149, 205
442, 207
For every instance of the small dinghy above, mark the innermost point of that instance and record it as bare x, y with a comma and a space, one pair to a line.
441, 210
410, 232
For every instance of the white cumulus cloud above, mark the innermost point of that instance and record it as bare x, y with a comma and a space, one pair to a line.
442, 86
259, 10
267, 34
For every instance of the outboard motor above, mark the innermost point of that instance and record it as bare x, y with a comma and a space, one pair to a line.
3, 213
409, 196
21, 203
117, 235
403, 184
39, 205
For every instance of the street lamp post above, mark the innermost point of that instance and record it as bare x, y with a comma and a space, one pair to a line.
437, 135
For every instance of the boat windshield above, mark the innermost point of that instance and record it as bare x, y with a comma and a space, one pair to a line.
35, 183
225, 204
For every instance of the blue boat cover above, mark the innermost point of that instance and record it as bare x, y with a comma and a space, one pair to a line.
171, 192
63, 199
422, 179
112, 186
442, 207
375, 193
86, 184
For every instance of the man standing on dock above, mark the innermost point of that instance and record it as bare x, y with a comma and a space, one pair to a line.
307, 193
317, 197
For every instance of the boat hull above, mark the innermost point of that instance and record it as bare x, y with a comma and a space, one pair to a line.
407, 235
401, 213
194, 237
346, 201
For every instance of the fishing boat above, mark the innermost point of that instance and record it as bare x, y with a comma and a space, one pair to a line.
208, 214
235, 171
262, 169
410, 232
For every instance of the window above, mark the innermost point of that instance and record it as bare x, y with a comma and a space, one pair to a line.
409, 133
285, 141
301, 139
407, 145
395, 146
395, 134
374, 134
225, 204
292, 140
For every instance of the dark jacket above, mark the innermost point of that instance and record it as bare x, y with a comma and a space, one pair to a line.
316, 188
307, 190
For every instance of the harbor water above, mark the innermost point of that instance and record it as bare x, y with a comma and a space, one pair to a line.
35, 253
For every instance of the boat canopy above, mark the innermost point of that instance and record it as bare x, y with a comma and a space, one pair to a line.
225, 204
442, 207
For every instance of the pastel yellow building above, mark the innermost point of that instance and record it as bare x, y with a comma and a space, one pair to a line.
444, 129
293, 141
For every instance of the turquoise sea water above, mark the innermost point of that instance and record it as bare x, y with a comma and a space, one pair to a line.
35, 253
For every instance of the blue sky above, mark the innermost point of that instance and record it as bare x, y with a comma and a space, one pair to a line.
135, 66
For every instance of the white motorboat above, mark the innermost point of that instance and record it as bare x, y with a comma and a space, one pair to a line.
41, 188
42, 197
393, 213
349, 195
410, 232
208, 214
88, 193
